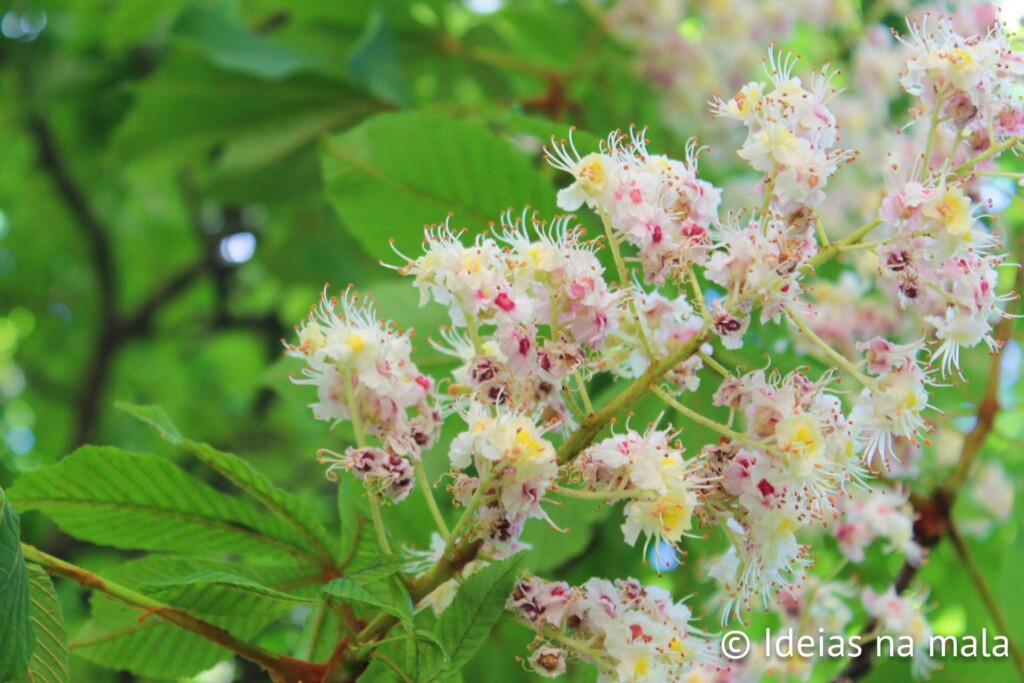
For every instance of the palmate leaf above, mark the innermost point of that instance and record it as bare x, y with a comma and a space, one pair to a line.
116, 637
387, 595
189, 105
468, 621
246, 477
49, 662
144, 502
230, 45
359, 548
214, 592
16, 633
398, 172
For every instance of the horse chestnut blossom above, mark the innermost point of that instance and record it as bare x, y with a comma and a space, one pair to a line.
364, 374
903, 616
556, 335
969, 82
514, 466
629, 631
657, 204
791, 133
877, 513
662, 489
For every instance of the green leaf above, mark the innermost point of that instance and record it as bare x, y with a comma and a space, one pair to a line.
387, 596
358, 541
119, 637
246, 477
49, 663
135, 501
155, 417
381, 567
398, 172
115, 637
434, 639
320, 634
478, 605
159, 570
351, 593
375, 64
213, 592
282, 503
190, 105
542, 130
230, 45
16, 633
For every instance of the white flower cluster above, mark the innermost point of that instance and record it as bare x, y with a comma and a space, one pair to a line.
786, 471
972, 83
500, 289
940, 258
657, 204
667, 324
514, 466
629, 631
534, 318
893, 400
791, 133
758, 261
903, 616
870, 514
363, 373
661, 488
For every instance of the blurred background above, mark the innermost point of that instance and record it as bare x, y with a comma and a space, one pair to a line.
179, 179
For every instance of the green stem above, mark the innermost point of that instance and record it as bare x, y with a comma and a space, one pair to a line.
714, 364
598, 495
474, 502
837, 357
393, 666
353, 408
836, 247
698, 295
378, 525
581, 387
357, 428
707, 422
992, 151
822, 235
583, 435
623, 272
932, 125
428, 493
769, 190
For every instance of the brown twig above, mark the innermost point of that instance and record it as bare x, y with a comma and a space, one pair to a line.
978, 579
114, 330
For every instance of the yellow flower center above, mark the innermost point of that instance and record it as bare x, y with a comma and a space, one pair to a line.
528, 444
960, 58
355, 342
642, 667
591, 173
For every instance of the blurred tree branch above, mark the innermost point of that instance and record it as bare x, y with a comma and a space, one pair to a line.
116, 329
